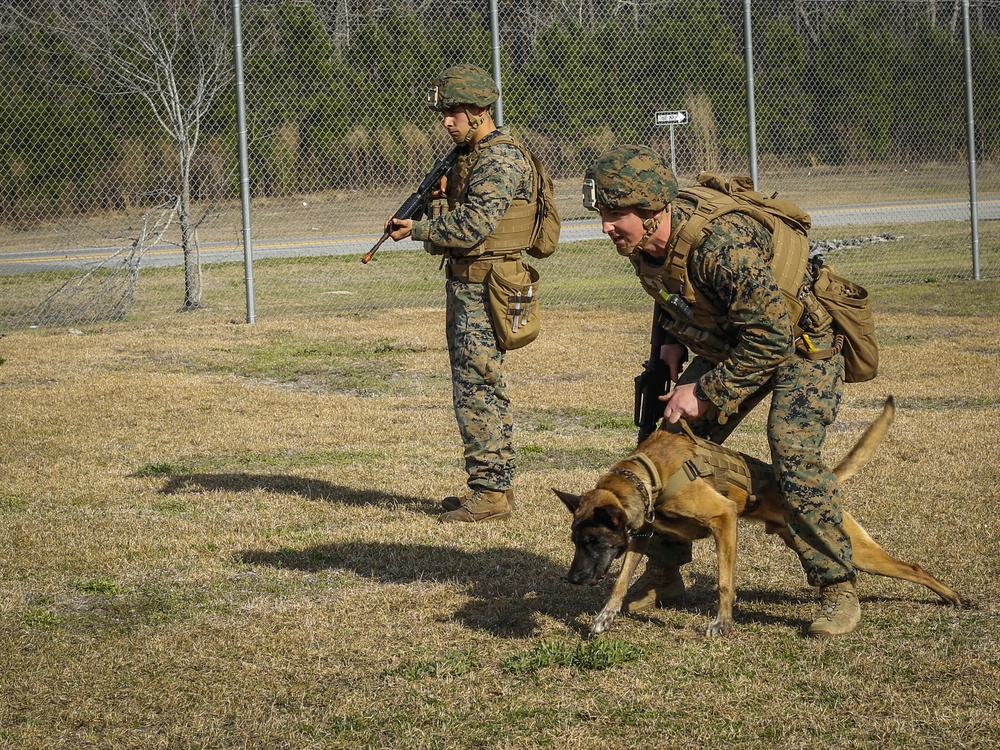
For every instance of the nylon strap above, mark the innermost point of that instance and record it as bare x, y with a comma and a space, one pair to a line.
788, 264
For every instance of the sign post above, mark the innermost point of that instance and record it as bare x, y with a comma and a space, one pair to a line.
674, 118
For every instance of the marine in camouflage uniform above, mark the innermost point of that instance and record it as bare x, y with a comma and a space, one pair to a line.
745, 350
490, 175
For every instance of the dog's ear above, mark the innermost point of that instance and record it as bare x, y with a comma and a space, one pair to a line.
571, 501
611, 516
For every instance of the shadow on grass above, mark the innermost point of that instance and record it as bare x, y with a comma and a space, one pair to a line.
701, 599
312, 489
509, 588
757, 605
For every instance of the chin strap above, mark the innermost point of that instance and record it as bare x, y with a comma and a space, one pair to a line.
474, 122
650, 225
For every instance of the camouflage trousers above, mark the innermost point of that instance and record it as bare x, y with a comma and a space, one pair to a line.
479, 390
805, 397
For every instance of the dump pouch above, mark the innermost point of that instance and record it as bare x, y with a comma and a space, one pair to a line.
850, 307
512, 296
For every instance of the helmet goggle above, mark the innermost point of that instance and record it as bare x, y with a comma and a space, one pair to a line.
590, 195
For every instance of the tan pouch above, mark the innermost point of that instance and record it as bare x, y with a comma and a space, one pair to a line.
437, 207
851, 309
512, 296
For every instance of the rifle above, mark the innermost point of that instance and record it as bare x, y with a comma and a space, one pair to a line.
652, 382
413, 207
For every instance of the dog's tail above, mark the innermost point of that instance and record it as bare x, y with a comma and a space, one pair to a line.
865, 448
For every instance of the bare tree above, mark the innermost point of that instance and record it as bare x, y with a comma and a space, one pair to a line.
175, 56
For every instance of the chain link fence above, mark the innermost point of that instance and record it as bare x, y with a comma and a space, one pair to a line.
120, 180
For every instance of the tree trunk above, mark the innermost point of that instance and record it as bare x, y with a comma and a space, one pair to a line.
189, 243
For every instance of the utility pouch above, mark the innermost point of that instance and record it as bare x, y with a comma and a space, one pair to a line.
512, 296
851, 309
436, 207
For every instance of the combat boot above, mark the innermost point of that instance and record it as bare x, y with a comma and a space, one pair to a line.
658, 586
454, 502
483, 505
841, 611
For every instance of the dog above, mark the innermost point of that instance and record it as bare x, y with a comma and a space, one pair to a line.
631, 500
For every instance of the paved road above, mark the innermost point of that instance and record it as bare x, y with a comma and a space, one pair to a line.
85, 258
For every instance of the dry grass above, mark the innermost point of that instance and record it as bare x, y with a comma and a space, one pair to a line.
219, 536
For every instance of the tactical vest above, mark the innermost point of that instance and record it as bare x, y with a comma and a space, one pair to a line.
515, 231
693, 318
725, 469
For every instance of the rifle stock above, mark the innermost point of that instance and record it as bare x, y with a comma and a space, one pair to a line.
413, 207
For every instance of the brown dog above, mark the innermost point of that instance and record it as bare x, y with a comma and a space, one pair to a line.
664, 485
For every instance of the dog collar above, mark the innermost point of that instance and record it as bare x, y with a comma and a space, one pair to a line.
649, 495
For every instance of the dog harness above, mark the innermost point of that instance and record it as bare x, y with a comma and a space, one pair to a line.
720, 467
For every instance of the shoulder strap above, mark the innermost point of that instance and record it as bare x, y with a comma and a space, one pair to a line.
710, 204
791, 248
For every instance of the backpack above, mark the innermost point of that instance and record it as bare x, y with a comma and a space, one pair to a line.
788, 225
851, 309
847, 303
545, 237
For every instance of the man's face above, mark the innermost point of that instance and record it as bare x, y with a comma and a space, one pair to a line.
456, 122
623, 226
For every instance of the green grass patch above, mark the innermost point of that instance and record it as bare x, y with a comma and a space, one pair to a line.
602, 653
10, 503
448, 664
570, 418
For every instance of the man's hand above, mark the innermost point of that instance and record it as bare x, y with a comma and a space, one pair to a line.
673, 356
681, 403
401, 228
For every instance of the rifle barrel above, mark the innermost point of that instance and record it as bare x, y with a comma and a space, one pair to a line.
368, 256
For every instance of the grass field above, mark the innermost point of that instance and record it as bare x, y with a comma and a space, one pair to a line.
217, 535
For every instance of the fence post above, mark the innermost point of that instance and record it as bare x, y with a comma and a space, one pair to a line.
971, 128
241, 121
495, 37
751, 112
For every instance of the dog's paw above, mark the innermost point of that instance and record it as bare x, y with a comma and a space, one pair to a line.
602, 623
719, 628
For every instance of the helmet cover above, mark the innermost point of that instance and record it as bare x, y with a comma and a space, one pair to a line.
629, 177
462, 84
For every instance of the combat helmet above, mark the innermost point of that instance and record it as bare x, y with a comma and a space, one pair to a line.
629, 177
462, 84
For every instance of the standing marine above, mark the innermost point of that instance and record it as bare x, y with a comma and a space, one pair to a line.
487, 225
718, 285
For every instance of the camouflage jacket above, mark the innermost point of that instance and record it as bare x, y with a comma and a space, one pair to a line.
501, 175
732, 272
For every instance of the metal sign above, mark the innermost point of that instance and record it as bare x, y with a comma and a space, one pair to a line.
677, 117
